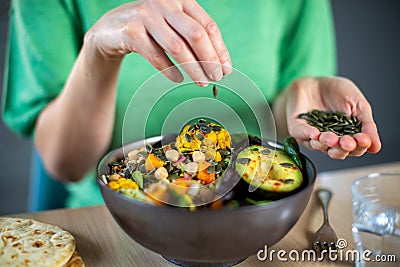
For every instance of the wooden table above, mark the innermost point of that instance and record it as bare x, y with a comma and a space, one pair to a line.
101, 242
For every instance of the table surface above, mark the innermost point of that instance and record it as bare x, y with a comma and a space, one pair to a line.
101, 242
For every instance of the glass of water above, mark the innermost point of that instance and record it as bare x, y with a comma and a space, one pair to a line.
376, 219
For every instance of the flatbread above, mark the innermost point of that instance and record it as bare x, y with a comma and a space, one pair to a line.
26, 242
75, 261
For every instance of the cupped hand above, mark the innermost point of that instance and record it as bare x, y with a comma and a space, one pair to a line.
154, 28
331, 94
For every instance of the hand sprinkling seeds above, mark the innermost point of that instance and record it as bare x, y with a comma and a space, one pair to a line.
329, 121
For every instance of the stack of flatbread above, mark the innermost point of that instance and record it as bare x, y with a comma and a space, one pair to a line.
26, 242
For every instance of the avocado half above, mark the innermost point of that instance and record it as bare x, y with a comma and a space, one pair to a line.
268, 170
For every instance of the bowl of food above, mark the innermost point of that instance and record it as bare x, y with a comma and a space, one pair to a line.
203, 197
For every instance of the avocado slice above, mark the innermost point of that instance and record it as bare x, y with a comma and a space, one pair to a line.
269, 170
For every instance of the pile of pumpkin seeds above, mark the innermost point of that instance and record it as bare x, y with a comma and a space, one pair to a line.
332, 121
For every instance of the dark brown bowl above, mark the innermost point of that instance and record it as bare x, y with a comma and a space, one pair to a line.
210, 237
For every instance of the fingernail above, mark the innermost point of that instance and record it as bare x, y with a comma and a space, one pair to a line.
227, 67
217, 74
202, 84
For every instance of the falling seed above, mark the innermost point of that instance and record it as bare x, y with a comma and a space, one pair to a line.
215, 91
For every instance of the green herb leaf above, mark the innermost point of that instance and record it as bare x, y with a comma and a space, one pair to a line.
254, 202
291, 147
137, 176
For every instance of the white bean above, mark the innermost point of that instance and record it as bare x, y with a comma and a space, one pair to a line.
161, 173
198, 156
191, 167
172, 155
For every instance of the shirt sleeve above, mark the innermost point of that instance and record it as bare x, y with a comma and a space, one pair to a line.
44, 40
308, 47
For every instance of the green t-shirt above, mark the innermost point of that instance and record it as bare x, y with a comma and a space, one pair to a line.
272, 42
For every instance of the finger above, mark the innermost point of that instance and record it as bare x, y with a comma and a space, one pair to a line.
199, 41
370, 129
347, 143
329, 139
303, 131
157, 57
194, 10
173, 44
358, 152
363, 143
317, 145
307, 144
337, 153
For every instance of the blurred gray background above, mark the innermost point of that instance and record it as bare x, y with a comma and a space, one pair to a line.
368, 43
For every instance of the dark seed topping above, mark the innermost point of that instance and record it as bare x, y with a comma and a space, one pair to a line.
163, 158
199, 136
218, 168
288, 181
188, 138
191, 128
216, 128
224, 152
266, 151
286, 165
243, 160
205, 129
149, 148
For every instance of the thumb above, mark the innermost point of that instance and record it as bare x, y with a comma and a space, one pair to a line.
302, 131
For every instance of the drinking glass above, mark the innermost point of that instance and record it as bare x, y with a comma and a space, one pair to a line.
376, 219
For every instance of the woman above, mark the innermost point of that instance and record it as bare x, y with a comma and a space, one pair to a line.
74, 65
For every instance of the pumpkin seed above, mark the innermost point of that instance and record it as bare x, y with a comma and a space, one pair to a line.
266, 151
243, 160
205, 129
149, 148
218, 168
192, 127
215, 91
188, 138
216, 128
115, 163
288, 181
336, 122
286, 165
199, 136
224, 152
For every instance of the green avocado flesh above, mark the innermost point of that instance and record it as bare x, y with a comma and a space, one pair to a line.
267, 169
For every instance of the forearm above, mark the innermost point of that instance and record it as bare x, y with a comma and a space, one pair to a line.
279, 112
75, 129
